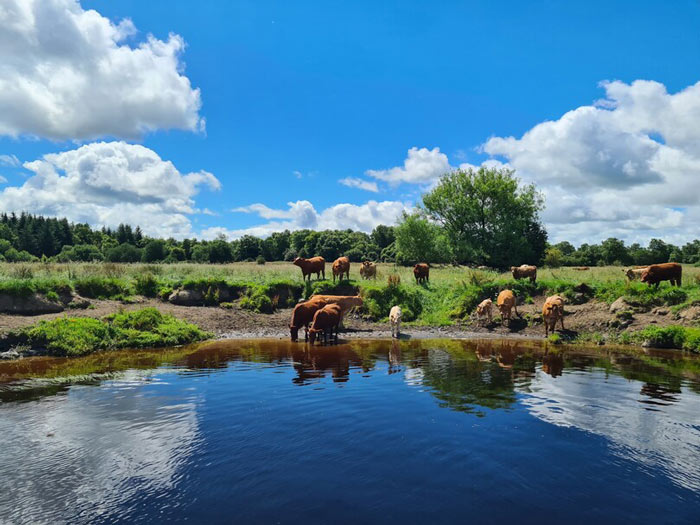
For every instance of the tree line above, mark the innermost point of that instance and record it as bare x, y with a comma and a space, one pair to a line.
472, 217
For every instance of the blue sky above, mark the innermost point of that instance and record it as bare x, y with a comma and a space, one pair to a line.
296, 96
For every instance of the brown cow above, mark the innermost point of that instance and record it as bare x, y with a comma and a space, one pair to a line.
302, 315
484, 310
326, 320
524, 271
553, 311
421, 272
506, 302
581, 268
663, 272
315, 265
346, 302
341, 266
368, 269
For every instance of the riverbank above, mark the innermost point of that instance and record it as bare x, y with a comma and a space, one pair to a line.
593, 322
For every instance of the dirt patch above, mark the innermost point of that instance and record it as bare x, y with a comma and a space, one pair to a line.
235, 322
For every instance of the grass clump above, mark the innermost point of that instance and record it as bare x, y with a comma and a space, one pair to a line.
145, 328
96, 287
681, 337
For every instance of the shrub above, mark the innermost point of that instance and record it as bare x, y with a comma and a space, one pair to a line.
379, 300
146, 285
101, 287
681, 337
257, 301
260, 259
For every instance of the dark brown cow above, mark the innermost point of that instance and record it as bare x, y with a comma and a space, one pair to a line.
315, 265
524, 271
421, 272
302, 315
326, 320
663, 272
341, 266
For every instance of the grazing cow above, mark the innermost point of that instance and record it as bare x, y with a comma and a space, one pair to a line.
633, 274
326, 320
421, 272
553, 311
524, 271
581, 268
506, 302
302, 315
395, 319
484, 310
346, 302
341, 266
656, 273
315, 265
368, 269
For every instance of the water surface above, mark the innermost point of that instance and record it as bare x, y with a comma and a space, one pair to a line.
372, 431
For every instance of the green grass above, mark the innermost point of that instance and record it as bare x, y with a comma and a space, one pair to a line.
451, 295
145, 328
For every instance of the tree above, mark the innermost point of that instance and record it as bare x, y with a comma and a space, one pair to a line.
220, 252
419, 240
487, 216
614, 251
154, 251
249, 247
383, 236
126, 253
553, 257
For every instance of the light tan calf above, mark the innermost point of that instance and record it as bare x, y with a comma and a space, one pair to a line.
484, 310
553, 311
506, 303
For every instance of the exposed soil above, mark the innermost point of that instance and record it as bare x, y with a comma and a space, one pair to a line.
589, 317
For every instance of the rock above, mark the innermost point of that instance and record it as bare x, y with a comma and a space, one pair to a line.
186, 298
10, 354
35, 304
690, 314
619, 305
579, 298
660, 311
78, 303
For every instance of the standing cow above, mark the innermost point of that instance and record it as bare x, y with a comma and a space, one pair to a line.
553, 311
421, 272
315, 265
656, 273
524, 271
341, 266
368, 269
506, 303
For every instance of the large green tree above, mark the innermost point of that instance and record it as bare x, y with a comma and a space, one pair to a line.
489, 217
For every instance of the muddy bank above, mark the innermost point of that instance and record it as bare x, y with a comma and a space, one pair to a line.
228, 323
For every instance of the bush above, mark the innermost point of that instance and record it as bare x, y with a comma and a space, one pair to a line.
146, 285
680, 337
258, 302
379, 300
125, 253
260, 259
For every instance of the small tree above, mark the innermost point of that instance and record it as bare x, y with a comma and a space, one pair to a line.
419, 240
488, 216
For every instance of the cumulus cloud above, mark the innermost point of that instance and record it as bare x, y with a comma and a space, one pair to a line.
10, 161
107, 183
68, 74
302, 214
421, 166
628, 165
353, 182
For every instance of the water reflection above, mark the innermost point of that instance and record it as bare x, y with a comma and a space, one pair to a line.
120, 430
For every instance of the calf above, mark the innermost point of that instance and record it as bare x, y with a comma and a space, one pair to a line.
315, 265
326, 320
484, 310
341, 266
368, 269
633, 274
553, 311
506, 303
302, 315
395, 320
656, 273
421, 272
524, 271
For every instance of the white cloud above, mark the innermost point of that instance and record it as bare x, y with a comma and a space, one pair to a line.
353, 182
110, 183
421, 166
627, 166
10, 161
302, 214
2, 179
67, 73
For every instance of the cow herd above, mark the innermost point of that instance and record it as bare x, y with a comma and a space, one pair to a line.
322, 315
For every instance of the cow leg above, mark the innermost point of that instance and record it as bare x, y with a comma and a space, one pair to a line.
561, 320
306, 333
515, 307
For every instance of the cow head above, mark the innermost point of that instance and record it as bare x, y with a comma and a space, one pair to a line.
312, 335
646, 276
297, 261
294, 333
